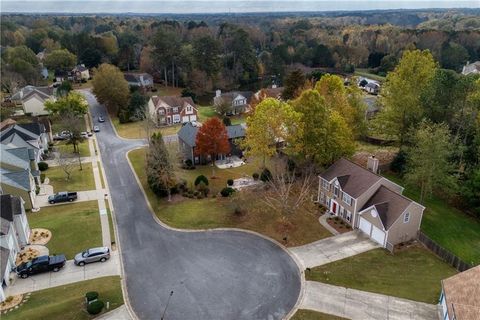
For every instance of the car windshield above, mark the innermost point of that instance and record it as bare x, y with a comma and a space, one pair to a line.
85, 253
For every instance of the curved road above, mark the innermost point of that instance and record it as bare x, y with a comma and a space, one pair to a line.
216, 274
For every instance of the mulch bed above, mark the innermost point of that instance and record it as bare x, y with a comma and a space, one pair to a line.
339, 225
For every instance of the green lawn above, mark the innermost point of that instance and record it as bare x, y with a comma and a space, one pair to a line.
414, 273
204, 113
366, 73
67, 301
304, 314
448, 226
136, 130
80, 180
74, 227
218, 212
62, 147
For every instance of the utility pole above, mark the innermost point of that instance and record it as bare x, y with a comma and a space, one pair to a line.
166, 306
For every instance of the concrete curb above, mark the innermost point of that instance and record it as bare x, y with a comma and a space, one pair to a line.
299, 264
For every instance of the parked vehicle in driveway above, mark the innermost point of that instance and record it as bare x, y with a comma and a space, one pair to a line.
64, 135
41, 264
101, 119
101, 254
63, 196
96, 129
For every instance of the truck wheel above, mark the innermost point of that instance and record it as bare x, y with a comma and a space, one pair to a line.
24, 275
103, 259
56, 269
51, 202
81, 263
70, 200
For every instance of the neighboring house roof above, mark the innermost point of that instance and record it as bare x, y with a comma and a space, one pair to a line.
10, 205
33, 127
14, 135
462, 294
272, 92
371, 102
43, 92
17, 179
353, 179
4, 254
174, 101
4, 226
228, 97
389, 204
471, 68
16, 141
188, 133
136, 77
7, 123
18, 157
80, 68
372, 85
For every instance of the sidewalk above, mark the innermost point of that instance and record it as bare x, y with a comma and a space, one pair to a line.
68, 274
359, 305
121, 313
324, 223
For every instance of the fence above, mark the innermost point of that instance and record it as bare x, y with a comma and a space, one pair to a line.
443, 253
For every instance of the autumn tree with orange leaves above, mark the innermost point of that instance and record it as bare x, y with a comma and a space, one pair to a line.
212, 140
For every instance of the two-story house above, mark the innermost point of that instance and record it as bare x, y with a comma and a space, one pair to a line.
170, 110
237, 101
369, 202
32, 99
141, 80
14, 234
80, 72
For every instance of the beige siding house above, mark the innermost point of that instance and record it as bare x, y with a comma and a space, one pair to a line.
169, 110
369, 202
33, 99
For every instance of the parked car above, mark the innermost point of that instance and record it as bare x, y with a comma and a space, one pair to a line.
64, 135
84, 134
101, 119
101, 254
63, 196
41, 264
90, 133
96, 129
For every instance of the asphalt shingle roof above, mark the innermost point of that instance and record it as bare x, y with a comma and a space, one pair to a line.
16, 179
17, 157
188, 133
462, 294
4, 253
9, 206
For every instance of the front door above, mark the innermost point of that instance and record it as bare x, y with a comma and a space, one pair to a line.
334, 207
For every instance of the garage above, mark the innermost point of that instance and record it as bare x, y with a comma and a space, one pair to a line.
365, 226
378, 235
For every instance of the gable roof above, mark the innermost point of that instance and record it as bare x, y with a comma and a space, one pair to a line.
4, 226
10, 205
188, 133
355, 179
389, 204
228, 97
236, 131
17, 157
17, 179
135, 77
4, 254
33, 127
28, 91
462, 294
471, 68
174, 101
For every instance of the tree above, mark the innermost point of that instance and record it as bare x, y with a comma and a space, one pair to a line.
111, 88
64, 88
136, 108
401, 94
470, 192
274, 123
428, 160
453, 56
206, 53
60, 59
293, 82
67, 164
159, 169
223, 107
212, 140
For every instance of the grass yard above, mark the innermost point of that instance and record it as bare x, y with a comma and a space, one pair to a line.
304, 314
63, 147
110, 222
448, 226
75, 227
165, 91
80, 180
136, 130
362, 146
219, 212
413, 273
67, 301
367, 74
204, 113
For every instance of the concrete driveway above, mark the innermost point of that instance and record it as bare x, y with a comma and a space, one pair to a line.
333, 248
361, 305
217, 274
89, 195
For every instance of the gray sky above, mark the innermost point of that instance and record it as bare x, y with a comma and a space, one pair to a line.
216, 6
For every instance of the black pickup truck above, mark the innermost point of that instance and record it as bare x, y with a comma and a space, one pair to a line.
41, 264
62, 197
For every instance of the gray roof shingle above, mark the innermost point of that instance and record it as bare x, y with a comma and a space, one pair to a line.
4, 253
188, 133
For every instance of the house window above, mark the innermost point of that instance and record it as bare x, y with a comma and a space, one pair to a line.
325, 184
175, 109
347, 199
349, 215
161, 111
189, 108
336, 191
406, 217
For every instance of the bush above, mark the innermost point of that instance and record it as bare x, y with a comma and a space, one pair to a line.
226, 121
398, 164
255, 176
291, 165
230, 182
42, 166
95, 307
189, 163
227, 192
203, 189
201, 178
37, 190
91, 295
200, 196
182, 185
42, 177
266, 175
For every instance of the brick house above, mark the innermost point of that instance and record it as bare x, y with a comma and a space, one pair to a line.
170, 110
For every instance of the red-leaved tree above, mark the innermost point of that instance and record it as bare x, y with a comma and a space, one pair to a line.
212, 140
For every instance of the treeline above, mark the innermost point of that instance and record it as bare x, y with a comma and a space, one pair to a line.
218, 53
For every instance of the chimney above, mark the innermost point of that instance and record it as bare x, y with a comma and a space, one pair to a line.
372, 164
218, 93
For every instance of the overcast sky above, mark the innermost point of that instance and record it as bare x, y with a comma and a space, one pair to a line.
215, 6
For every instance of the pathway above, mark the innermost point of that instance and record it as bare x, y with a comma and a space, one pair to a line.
324, 223
360, 305
68, 274
333, 248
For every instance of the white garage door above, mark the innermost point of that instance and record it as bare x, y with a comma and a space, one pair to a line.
184, 119
193, 118
365, 226
378, 235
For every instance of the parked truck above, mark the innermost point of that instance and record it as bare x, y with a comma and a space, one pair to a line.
63, 196
41, 264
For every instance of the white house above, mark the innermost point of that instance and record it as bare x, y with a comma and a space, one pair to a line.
33, 99
471, 68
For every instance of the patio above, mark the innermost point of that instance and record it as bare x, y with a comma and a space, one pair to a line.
229, 162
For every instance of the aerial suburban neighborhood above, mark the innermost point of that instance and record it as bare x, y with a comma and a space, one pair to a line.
237, 159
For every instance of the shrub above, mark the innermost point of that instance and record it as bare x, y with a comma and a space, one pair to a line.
230, 182
200, 196
189, 163
42, 166
255, 176
202, 188
201, 178
91, 295
95, 307
37, 190
266, 175
227, 192
226, 121
291, 165
398, 164
182, 185
42, 177
196, 193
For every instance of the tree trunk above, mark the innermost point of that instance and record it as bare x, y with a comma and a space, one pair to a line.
165, 76
213, 165
173, 73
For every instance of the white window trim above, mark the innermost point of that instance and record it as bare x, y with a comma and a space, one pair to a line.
346, 198
406, 217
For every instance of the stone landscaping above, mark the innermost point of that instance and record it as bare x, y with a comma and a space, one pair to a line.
26, 254
40, 236
13, 302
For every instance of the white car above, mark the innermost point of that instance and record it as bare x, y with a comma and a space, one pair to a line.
96, 129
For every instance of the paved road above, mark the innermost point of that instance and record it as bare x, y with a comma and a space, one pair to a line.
214, 275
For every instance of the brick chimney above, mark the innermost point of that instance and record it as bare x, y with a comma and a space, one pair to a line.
372, 164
